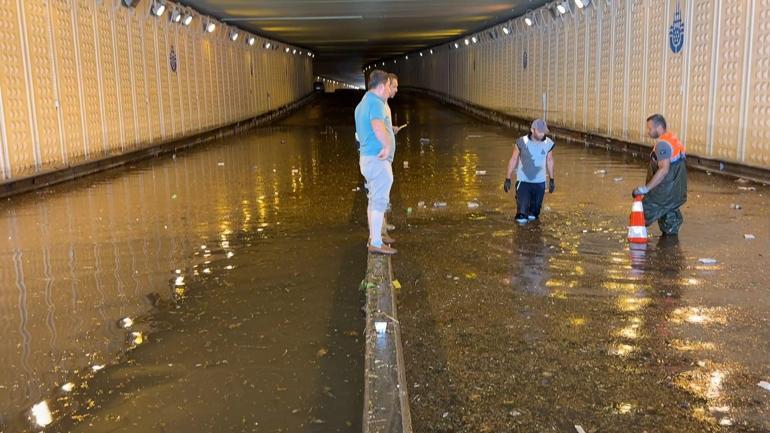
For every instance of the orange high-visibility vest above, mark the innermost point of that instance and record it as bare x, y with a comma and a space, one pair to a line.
677, 148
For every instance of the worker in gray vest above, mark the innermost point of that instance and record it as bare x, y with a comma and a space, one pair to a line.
532, 158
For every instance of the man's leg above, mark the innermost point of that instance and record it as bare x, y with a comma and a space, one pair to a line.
671, 222
379, 176
536, 202
523, 198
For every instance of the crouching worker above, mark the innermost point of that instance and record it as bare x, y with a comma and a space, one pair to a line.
532, 157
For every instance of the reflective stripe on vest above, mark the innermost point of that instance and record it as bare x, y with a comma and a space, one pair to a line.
677, 148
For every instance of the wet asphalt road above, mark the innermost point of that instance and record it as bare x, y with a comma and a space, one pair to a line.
506, 328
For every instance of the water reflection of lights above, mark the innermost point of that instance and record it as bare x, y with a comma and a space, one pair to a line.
558, 294
624, 408
633, 304
699, 316
692, 346
622, 350
629, 331
41, 414
625, 287
97, 367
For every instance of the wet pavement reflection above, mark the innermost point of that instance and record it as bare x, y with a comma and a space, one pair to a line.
213, 290
559, 323
217, 290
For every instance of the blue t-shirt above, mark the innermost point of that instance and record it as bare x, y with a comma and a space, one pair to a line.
372, 107
532, 158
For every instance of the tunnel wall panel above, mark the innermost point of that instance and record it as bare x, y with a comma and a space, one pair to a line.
605, 68
80, 80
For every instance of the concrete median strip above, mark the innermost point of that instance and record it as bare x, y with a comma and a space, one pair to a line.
386, 401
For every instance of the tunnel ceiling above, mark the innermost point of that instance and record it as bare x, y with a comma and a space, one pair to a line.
346, 34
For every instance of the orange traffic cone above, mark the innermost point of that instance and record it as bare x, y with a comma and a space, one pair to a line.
637, 230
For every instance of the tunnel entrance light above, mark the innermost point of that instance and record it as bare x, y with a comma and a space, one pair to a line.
294, 51
286, 50
251, 40
406, 57
157, 8
528, 21
420, 54
506, 30
467, 42
457, 45
431, 51
475, 40
209, 26
233, 35
187, 19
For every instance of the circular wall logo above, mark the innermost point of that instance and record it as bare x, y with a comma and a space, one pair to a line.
676, 32
172, 59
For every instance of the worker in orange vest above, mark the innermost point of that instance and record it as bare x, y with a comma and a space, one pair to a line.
666, 188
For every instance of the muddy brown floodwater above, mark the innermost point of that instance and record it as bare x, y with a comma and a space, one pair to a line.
217, 290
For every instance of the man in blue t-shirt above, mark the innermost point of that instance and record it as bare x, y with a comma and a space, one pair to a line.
374, 130
532, 157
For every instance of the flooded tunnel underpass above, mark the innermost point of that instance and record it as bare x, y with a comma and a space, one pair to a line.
238, 264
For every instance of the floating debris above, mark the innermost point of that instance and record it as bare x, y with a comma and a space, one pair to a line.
396, 284
68, 387
321, 352
41, 414
473, 205
764, 385
294, 170
221, 164
749, 237
439, 204
126, 322
481, 172
747, 188
707, 261
179, 281
602, 171
97, 367
230, 254
381, 327
618, 179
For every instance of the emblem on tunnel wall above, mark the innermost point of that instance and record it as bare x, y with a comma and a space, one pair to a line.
172, 59
676, 32
524, 60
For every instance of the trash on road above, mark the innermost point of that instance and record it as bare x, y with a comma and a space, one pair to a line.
764, 385
707, 261
473, 205
439, 204
749, 237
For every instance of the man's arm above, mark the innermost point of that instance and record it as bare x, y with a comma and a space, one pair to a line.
380, 131
663, 166
549, 164
513, 163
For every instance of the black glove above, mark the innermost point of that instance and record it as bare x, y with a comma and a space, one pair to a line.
507, 185
551, 186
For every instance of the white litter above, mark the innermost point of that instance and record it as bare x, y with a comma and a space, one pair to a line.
579, 429
602, 171
472, 205
707, 261
481, 172
749, 237
764, 385
381, 327
747, 188
618, 179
